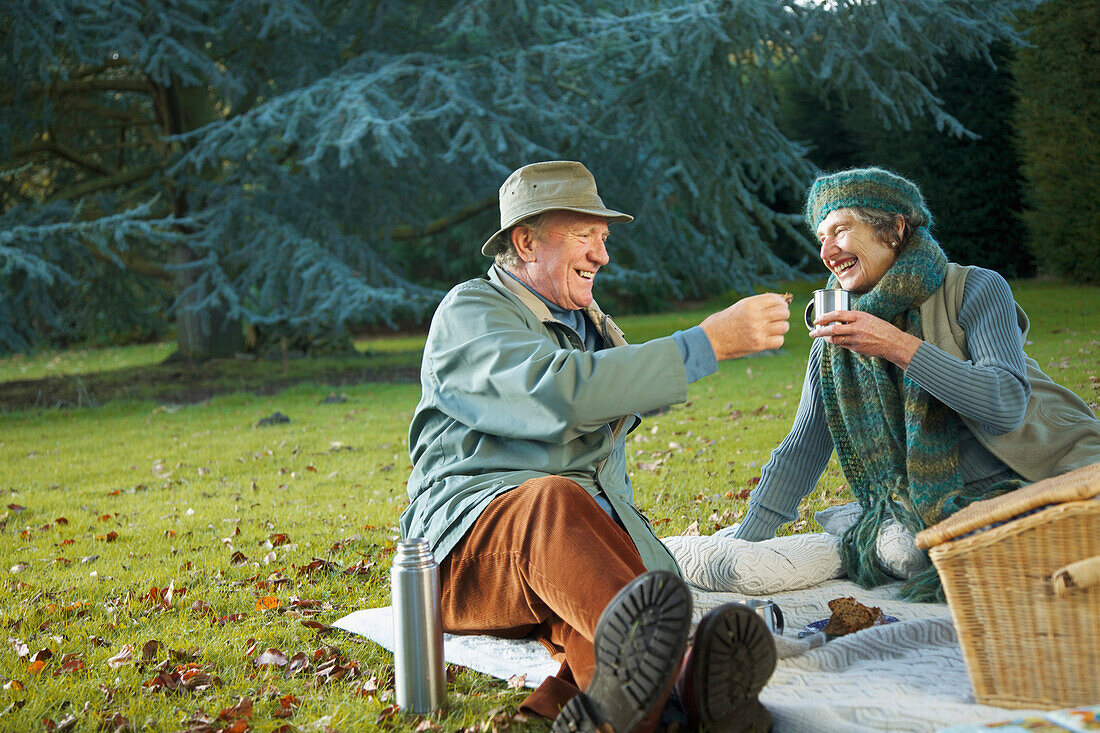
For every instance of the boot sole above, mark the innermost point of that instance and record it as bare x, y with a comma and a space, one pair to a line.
736, 656
639, 645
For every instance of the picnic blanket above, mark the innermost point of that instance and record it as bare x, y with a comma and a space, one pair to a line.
903, 676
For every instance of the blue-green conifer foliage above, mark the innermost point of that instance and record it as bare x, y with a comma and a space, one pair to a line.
305, 165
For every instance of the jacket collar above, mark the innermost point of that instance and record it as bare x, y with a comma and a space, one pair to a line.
611, 332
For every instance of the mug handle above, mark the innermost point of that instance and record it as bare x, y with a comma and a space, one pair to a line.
778, 619
809, 324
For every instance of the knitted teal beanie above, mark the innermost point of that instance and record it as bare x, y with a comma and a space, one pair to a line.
870, 188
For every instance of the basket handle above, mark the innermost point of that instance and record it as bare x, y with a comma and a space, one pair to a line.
1076, 576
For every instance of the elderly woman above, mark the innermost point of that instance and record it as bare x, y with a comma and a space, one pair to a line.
922, 388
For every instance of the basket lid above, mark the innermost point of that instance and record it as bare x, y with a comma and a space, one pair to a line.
1082, 483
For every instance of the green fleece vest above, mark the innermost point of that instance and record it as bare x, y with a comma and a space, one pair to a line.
1059, 432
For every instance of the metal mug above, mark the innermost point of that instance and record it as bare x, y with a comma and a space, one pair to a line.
768, 612
827, 301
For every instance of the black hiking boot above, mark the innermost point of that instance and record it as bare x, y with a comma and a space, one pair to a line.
639, 646
730, 662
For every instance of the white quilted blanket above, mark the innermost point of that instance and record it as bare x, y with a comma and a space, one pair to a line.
905, 676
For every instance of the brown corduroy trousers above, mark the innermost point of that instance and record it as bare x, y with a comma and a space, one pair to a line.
542, 561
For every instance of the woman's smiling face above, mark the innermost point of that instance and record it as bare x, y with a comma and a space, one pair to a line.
853, 251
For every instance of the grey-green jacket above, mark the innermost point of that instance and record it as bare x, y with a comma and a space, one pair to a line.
510, 394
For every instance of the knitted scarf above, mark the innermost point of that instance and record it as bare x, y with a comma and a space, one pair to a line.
898, 446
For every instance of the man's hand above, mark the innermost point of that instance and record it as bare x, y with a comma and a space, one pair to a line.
868, 335
748, 326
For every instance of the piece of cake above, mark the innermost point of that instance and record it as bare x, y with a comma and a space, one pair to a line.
849, 615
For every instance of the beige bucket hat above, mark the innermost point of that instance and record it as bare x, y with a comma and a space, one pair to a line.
547, 186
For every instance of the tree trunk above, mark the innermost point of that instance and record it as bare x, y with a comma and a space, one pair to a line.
208, 333
204, 334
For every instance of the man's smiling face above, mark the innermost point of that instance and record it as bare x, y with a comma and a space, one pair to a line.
569, 250
853, 251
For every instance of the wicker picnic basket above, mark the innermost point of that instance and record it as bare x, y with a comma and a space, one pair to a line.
1022, 577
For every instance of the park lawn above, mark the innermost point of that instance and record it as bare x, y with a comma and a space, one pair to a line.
257, 529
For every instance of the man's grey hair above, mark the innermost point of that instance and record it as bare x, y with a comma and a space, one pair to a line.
883, 222
507, 258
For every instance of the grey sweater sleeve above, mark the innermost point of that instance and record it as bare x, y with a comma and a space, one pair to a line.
795, 466
992, 388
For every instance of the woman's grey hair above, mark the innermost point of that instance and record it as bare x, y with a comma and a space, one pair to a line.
883, 223
507, 257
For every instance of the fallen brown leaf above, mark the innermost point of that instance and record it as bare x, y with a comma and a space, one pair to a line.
149, 649
317, 565
184, 655
61, 726
69, 663
242, 709
124, 657
386, 713
287, 705
21, 649
317, 626
116, 723
359, 568
266, 603
296, 664
270, 657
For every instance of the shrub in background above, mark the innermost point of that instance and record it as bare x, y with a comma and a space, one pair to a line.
1058, 130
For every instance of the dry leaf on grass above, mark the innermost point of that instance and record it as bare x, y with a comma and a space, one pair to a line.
20, 648
124, 657
287, 705
271, 657
266, 603
242, 709
69, 663
296, 664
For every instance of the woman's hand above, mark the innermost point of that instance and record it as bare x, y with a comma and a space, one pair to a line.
868, 335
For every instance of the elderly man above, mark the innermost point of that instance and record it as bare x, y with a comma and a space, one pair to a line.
519, 477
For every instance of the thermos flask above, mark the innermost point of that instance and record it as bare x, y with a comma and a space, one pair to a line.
419, 677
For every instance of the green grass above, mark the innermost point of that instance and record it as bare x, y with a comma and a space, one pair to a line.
185, 487
53, 363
